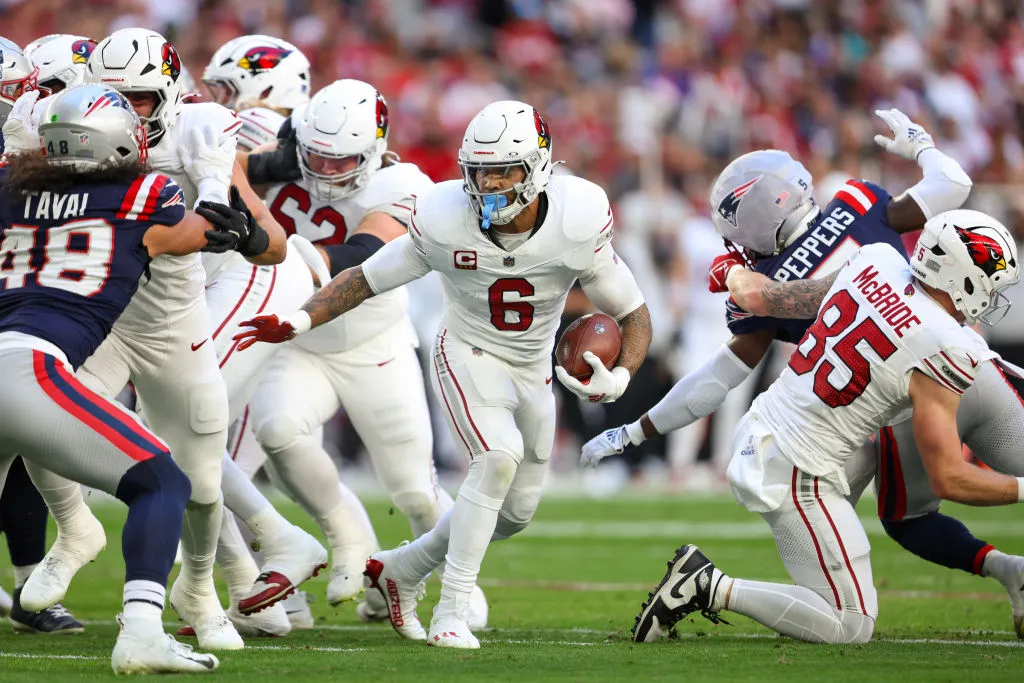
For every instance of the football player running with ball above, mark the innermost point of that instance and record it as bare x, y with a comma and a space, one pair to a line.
508, 241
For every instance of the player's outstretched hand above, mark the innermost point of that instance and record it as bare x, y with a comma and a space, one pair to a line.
909, 139
279, 165
19, 133
608, 442
719, 271
272, 329
604, 386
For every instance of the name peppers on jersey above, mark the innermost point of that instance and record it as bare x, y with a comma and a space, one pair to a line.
855, 216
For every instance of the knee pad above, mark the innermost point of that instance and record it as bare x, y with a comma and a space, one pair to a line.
158, 474
415, 504
278, 433
855, 628
491, 473
517, 512
208, 407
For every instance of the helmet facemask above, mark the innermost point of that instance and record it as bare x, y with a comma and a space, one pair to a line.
498, 207
333, 186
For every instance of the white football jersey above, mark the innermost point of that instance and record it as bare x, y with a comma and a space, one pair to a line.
389, 190
176, 283
509, 303
850, 374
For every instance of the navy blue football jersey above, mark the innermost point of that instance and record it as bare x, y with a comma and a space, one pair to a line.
71, 261
856, 216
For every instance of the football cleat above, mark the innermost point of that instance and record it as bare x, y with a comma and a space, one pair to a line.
55, 620
156, 653
689, 585
451, 630
400, 595
205, 615
296, 608
5, 603
289, 560
270, 623
373, 607
1015, 589
346, 582
477, 611
48, 583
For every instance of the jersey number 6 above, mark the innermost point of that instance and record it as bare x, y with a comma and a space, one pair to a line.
841, 310
501, 307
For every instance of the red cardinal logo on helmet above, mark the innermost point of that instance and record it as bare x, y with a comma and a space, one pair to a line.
986, 253
382, 117
543, 132
81, 49
172, 63
258, 60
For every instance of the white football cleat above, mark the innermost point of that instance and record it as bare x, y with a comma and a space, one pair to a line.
1015, 589
451, 630
296, 608
289, 560
206, 617
400, 594
346, 582
477, 611
271, 622
6, 603
373, 607
49, 581
157, 653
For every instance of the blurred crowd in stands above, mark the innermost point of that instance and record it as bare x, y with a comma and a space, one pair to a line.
650, 98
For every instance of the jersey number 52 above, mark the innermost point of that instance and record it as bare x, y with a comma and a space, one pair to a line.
840, 311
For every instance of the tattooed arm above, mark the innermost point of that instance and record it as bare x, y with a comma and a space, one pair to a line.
757, 294
342, 294
636, 337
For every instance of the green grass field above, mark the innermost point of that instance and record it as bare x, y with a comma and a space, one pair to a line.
563, 597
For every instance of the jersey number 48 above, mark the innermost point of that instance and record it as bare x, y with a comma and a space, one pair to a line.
75, 256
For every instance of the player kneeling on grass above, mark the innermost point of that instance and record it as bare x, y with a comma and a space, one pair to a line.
888, 338
76, 259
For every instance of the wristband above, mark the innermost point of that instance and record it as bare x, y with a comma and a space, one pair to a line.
1020, 489
301, 322
635, 433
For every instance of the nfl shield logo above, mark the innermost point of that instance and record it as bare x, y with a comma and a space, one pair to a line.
83, 139
510, 261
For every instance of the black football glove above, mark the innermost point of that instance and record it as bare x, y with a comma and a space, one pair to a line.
276, 166
233, 222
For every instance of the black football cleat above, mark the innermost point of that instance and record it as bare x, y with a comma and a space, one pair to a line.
54, 620
689, 585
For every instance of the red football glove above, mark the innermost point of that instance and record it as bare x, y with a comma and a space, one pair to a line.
719, 271
271, 329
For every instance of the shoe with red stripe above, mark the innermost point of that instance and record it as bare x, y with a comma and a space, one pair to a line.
688, 586
400, 594
289, 560
451, 630
48, 583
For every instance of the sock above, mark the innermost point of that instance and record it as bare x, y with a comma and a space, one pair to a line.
143, 606
22, 516
941, 540
472, 523
236, 564
267, 523
240, 495
426, 553
21, 574
199, 533
793, 611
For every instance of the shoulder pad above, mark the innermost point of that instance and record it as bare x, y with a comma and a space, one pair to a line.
442, 214
392, 185
218, 117
584, 207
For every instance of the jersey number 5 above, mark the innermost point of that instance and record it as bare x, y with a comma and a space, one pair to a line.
76, 256
501, 308
840, 311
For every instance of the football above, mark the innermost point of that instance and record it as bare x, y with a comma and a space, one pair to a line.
596, 333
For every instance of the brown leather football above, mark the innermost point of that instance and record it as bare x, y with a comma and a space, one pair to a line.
596, 333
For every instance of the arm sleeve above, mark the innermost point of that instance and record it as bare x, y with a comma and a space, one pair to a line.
700, 393
398, 262
995, 432
945, 185
610, 285
355, 250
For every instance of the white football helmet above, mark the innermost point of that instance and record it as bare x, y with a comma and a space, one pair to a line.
504, 135
89, 125
259, 126
973, 258
258, 71
140, 60
17, 75
62, 60
345, 124
761, 199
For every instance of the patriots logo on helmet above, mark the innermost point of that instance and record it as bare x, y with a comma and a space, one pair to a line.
172, 63
543, 132
107, 99
986, 253
261, 59
81, 50
731, 202
382, 117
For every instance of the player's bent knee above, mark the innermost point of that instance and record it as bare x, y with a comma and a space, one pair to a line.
517, 512
158, 474
278, 433
415, 504
856, 628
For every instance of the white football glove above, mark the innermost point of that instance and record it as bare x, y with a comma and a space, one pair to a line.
909, 138
604, 385
19, 133
208, 157
608, 442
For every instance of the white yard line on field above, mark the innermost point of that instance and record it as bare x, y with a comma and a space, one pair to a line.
299, 648
28, 655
